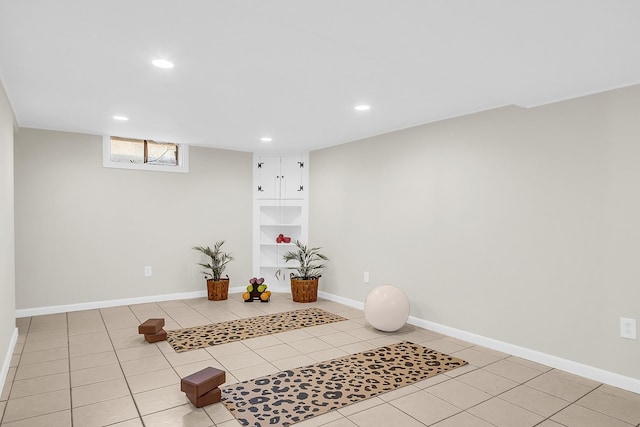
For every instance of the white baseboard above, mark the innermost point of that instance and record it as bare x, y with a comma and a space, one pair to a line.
570, 366
7, 359
346, 301
596, 374
586, 371
38, 311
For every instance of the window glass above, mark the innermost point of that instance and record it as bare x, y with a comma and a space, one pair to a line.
127, 150
161, 153
144, 154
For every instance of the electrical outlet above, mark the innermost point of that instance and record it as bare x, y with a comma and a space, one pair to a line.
365, 277
148, 272
628, 328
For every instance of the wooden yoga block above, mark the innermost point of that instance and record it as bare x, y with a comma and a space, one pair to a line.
161, 335
212, 396
202, 381
151, 326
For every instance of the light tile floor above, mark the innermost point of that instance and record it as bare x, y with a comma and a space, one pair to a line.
91, 368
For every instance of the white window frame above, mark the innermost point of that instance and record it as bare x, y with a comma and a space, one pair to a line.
182, 167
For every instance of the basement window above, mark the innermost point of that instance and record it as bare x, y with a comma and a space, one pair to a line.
144, 154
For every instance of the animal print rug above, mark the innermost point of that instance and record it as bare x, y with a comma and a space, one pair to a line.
301, 393
235, 330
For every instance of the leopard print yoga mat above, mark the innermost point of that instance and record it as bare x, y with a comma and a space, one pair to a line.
298, 394
235, 330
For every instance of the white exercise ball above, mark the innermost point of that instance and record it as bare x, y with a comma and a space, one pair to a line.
386, 308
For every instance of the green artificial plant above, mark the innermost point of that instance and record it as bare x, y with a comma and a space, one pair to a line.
219, 260
309, 259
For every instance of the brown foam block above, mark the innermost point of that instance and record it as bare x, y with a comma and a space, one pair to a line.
151, 326
202, 381
161, 335
212, 396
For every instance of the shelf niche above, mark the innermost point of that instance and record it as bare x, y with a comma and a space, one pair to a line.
280, 207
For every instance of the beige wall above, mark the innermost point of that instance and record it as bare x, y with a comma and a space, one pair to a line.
7, 252
520, 225
84, 233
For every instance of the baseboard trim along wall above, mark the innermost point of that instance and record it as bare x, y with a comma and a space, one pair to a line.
7, 359
596, 374
39, 311
586, 371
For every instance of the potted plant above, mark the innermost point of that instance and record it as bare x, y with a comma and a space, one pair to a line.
304, 284
217, 287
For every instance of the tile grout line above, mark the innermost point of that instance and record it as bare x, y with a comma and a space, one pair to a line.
14, 376
595, 410
165, 358
66, 316
524, 383
135, 404
584, 391
439, 421
35, 416
497, 396
569, 402
156, 345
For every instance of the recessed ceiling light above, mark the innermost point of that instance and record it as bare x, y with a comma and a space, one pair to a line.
266, 139
121, 118
162, 63
362, 107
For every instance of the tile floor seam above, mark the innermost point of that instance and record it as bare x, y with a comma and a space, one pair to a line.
492, 396
466, 412
452, 415
199, 307
13, 380
164, 355
506, 359
201, 313
569, 404
70, 385
497, 396
406, 413
135, 404
545, 418
164, 409
595, 410
123, 421
36, 416
548, 418
8, 396
93, 403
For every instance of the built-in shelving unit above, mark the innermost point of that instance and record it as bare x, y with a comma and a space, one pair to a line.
280, 207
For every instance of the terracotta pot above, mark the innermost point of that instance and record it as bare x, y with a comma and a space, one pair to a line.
217, 290
304, 290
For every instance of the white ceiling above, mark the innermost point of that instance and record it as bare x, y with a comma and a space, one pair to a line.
294, 69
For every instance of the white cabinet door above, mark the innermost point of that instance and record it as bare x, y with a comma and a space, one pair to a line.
292, 173
280, 177
268, 184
